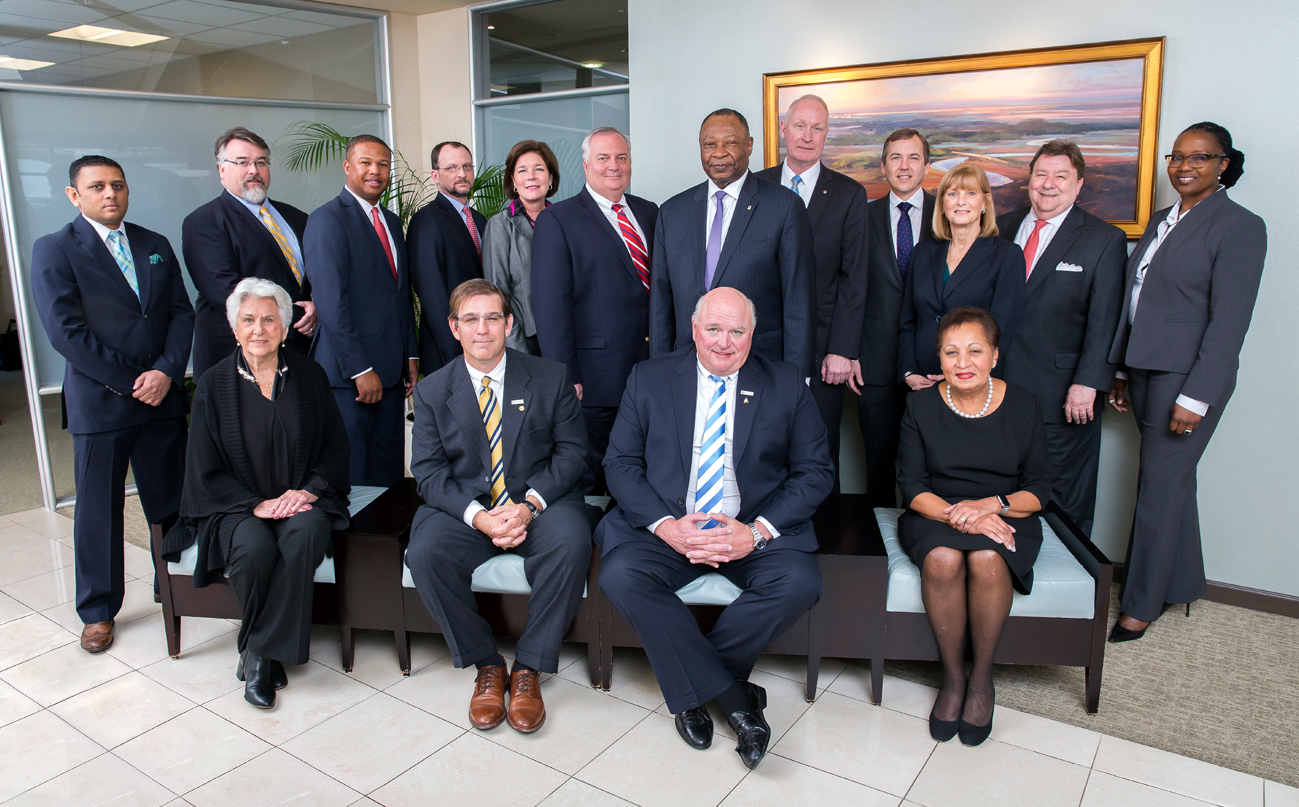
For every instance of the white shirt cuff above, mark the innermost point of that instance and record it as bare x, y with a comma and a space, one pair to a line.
533, 492
363, 372
808, 381
1193, 405
1121, 376
775, 533
656, 524
472, 510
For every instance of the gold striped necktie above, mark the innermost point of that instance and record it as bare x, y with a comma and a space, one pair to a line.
269, 221
492, 421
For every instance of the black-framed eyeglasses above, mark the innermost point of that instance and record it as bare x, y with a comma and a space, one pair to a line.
260, 164
1193, 160
472, 320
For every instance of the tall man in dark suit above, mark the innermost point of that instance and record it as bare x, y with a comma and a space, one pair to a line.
1072, 299
898, 222
836, 209
591, 283
717, 461
356, 261
499, 447
751, 236
446, 249
243, 233
113, 303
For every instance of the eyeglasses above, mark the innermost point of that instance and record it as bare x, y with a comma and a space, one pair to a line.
1193, 160
467, 168
472, 320
260, 164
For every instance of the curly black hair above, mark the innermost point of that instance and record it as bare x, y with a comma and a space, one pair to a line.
1235, 157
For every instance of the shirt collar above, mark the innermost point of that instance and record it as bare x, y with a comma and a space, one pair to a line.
103, 231
704, 375
1054, 221
810, 176
257, 209
366, 206
917, 199
497, 375
604, 202
732, 190
456, 203
515, 208
1175, 214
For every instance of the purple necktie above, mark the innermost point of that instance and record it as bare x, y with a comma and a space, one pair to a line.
714, 242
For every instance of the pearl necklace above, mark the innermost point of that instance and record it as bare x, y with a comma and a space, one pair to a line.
982, 411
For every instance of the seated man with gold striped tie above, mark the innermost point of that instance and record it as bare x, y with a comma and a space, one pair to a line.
498, 449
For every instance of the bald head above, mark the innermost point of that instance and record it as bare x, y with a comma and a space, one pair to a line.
723, 325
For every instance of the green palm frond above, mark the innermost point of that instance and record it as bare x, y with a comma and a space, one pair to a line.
488, 192
310, 145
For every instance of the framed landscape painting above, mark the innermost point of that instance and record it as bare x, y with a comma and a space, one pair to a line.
994, 110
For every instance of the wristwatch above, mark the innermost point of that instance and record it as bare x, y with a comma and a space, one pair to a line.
533, 508
758, 540
1005, 504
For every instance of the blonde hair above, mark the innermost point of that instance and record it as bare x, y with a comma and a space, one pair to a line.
966, 177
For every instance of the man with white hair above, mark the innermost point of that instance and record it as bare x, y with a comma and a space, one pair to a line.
243, 233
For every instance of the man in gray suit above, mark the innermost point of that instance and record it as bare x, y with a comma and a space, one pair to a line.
499, 447
1072, 297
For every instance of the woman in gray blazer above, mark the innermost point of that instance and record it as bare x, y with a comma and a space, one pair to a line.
1191, 286
531, 178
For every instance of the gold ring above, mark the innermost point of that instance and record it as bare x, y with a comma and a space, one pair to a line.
964, 518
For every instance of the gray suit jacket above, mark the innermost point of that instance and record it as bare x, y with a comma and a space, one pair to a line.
1063, 333
507, 262
1197, 298
543, 435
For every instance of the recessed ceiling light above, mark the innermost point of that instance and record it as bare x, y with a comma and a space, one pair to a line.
491, 27
108, 36
11, 63
592, 65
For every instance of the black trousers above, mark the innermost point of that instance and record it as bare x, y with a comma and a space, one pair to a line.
879, 411
377, 433
155, 452
272, 564
829, 402
444, 552
1075, 450
641, 580
599, 422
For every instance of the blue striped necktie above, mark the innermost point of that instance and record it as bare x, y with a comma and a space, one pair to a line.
708, 491
124, 260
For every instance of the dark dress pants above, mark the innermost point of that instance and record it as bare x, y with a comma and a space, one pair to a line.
641, 580
377, 433
272, 568
599, 423
829, 402
1165, 562
155, 452
1075, 450
444, 552
879, 411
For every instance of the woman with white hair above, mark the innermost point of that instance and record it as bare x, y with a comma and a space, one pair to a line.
266, 482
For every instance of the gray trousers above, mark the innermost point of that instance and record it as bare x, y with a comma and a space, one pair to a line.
444, 552
1165, 562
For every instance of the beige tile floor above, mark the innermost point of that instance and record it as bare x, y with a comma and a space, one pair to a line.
133, 728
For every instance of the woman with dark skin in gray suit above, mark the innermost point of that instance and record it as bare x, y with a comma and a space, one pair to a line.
1191, 285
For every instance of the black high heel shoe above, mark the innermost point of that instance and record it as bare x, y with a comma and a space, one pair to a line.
943, 730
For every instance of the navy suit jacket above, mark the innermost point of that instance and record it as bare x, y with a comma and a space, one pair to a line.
884, 292
591, 310
781, 456
442, 256
107, 335
223, 243
990, 276
364, 316
767, 255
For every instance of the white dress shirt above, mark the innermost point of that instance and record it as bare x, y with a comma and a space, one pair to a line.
497, 375
1044, 237
289, 235
917, 210
366, 207
729, 201
810, 176
606, 207
104, 231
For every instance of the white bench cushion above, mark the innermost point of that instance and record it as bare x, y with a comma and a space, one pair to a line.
1061, 586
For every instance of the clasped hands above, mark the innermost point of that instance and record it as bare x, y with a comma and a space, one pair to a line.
729, 540
289, 503
981, 517
506, 525
151, 387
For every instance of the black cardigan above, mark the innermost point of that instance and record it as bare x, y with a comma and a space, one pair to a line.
218, 478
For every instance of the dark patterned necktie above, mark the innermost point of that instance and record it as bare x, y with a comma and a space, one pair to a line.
905, 239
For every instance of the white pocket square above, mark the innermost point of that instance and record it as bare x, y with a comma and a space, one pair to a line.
1067, 267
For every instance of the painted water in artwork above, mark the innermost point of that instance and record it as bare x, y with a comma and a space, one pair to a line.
995, 119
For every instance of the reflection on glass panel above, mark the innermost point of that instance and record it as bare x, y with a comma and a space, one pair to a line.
191, 47
561, 123
562, 45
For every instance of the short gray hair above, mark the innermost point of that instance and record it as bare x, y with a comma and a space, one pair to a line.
753, 312
256, 288
586, 141
809, 97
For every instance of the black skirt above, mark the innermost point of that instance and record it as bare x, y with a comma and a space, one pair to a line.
918, 535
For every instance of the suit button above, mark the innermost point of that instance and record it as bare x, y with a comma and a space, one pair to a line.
146, 316
682, 500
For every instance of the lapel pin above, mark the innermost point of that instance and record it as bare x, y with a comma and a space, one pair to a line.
519, 401
520, 408
746, 400
745, 392
750, 207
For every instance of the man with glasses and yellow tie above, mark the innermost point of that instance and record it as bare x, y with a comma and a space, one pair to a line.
243, 233
498, 450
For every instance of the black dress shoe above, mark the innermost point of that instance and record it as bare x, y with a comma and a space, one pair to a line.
696, 727
259, 689
279, 677
972, 734
752, 734
1122, 634
941, 730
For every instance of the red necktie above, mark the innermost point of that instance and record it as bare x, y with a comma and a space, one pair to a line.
383, 239
473, 230
635, 246
1030, 247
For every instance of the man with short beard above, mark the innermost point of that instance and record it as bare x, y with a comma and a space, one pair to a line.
243, 233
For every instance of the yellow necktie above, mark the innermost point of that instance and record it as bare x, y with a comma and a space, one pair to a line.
492, 420
269, 221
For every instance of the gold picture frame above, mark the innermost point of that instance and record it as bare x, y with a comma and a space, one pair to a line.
1105, 95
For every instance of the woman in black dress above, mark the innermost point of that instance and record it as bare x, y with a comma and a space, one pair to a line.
974, 472
266, 482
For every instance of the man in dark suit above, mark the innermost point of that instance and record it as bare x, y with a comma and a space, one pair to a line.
728, 231
446, 249
717, 461
356, 261
499, 447
836, 209
591, 283
243, 233
1072, 299
113, 303
907, 211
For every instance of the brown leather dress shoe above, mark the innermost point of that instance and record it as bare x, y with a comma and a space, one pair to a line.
97, 637
487, 706
527, 711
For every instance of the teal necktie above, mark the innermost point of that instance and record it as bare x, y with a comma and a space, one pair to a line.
124, 260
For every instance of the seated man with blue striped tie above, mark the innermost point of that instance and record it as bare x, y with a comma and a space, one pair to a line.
717, 460
498, 449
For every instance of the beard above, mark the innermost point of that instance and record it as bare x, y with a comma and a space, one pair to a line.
253, 194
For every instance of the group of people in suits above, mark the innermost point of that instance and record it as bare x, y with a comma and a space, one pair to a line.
602, 344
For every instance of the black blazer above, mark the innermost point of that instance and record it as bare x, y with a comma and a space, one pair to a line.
767, 255
1064, 331
878, 354
590, 308
782, 460
1197, 298
840, 244
442, 256
106, 334
990, 276
223, 243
